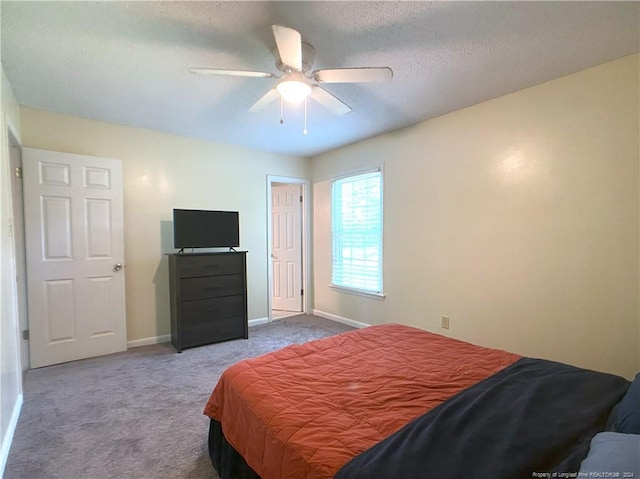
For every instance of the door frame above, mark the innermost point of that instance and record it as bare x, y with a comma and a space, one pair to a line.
305, 256
22, 310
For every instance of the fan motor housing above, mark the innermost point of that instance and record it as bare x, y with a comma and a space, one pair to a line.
308, 56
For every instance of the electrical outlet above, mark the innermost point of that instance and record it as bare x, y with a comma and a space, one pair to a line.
445, 322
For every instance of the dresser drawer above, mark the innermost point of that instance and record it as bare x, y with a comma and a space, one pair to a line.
211, 310
211, 287
205, 332
197, 265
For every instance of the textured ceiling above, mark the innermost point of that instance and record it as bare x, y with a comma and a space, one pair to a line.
126, 62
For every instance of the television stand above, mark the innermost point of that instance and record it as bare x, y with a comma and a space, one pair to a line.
208, 295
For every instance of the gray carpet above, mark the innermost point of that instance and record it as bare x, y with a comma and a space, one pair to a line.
136, 414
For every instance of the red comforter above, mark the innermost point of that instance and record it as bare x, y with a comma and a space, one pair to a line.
305, 410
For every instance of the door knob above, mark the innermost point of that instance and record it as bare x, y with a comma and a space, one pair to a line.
117, 267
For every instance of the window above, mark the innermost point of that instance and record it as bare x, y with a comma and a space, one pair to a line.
356, 226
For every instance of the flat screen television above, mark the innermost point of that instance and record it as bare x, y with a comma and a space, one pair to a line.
205, 229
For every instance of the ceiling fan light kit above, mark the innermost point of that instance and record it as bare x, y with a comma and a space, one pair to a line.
294, 88
298, 83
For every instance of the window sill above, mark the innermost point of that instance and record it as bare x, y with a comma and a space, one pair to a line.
358, 292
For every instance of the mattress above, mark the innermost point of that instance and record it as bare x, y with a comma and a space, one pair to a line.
306, 410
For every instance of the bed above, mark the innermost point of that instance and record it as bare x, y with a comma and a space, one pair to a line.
396, 401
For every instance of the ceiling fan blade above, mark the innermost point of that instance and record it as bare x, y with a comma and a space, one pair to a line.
233, 73
353, 75
289, 43
265, 100
329, 101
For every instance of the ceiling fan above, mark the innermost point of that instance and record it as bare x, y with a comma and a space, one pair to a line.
294, 59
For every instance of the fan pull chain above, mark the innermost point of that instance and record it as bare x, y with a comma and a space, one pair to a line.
281, 110
304, 132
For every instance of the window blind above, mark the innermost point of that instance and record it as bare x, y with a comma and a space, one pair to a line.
356, 225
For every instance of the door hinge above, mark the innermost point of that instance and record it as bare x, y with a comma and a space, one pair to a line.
25, 334
18, 172
302, 292
300, 198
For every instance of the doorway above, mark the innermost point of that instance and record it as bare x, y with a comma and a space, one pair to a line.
287, 248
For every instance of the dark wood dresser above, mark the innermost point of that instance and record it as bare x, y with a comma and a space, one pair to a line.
208, 298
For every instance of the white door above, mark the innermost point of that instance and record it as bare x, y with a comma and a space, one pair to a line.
75, 256
286, 211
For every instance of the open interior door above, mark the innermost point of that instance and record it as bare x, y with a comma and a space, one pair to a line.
75, 256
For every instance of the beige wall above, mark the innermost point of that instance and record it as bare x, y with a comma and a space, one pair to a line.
517, 217
10, 367
162, 172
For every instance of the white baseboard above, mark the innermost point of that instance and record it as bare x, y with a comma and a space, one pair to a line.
257, 322
340, 319
8, 437
165, 338
252, 322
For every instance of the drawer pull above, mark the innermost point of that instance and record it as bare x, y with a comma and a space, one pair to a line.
213, 310
212, 288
